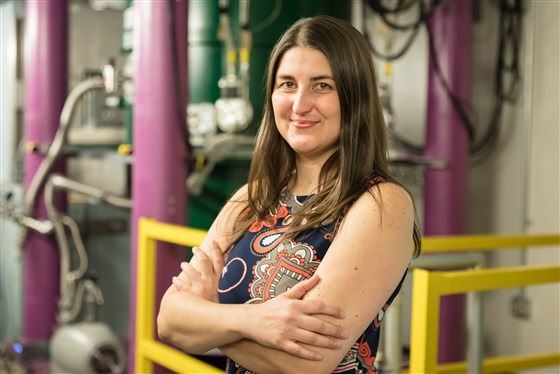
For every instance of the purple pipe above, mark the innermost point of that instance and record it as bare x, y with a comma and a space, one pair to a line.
160, 167
46, 82
446, 139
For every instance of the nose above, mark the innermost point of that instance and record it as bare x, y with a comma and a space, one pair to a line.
303, 102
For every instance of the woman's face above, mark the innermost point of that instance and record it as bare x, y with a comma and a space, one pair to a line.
306, 105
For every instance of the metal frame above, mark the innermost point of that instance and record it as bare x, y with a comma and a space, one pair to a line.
148, 349
428, 288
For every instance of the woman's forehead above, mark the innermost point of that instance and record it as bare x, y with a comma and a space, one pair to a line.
304, 61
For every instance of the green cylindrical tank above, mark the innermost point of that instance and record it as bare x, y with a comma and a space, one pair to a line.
268, 20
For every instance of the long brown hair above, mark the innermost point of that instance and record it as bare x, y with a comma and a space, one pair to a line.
362, 150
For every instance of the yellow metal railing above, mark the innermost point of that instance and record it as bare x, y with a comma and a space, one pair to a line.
470, 243
430, 286
148, 349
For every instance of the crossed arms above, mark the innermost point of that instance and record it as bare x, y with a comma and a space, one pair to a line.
312, 326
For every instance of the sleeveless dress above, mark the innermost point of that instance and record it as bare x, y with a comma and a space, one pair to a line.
261, 265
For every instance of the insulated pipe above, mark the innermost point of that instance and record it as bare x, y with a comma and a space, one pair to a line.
446, 190
160, 157
55, 149
46, 81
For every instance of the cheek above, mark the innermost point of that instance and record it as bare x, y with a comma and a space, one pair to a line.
280, 103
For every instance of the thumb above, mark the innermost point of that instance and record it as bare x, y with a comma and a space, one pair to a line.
300, 289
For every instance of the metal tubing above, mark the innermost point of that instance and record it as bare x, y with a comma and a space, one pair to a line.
69, 304
55, 149
67, 184
46, 80
446, 139
159, 174
527, 111
475, 338
392, 343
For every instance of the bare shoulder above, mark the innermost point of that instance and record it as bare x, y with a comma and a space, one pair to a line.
241, 193
384, 206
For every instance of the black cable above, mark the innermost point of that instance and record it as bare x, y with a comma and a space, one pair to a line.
423, 13
455, 99
394, 56
423, 16
402, 6
507, 66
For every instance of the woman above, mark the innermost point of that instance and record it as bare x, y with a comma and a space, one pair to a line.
317, 243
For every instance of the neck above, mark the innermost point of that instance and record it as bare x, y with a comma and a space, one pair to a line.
306, 178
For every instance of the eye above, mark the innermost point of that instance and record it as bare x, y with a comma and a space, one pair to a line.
322, 86
287, 85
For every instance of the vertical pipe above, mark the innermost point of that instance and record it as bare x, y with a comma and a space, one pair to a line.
392, 343
475, 336
159, 175
447, 140
46, 81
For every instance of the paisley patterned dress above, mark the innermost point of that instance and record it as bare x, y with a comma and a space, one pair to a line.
261, 265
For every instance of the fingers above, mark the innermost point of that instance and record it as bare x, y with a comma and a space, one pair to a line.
315, 325
179, 284
300, 289
217, 258
189, 270
316, 340
319, 307
295, 349
204, 262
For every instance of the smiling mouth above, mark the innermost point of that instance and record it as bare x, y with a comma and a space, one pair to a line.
303, 124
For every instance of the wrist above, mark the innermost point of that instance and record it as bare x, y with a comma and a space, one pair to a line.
244, 320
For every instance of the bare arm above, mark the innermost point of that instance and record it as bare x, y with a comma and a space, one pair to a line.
368, 256
193, 320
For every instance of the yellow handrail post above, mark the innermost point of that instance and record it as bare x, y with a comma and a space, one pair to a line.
429, 286
148, 349
425, 323
145, 296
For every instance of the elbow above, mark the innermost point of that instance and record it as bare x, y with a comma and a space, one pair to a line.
171, 334
164, 330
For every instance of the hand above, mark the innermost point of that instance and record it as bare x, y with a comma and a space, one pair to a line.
202, 274
287, 321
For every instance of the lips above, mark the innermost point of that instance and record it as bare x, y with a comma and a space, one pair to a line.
303, 124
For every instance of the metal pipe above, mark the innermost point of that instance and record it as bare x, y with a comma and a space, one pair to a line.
358, 15
55, 148
445, 192
46, 80
160, 157
66, 290
475, 338
69, 277
61, 182
527, 115
392, 343
227, 36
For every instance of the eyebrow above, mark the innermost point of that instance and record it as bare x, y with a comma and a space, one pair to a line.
315, 78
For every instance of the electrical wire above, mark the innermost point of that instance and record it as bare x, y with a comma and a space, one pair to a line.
507, 71
455, 99
422, 18
394, 56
